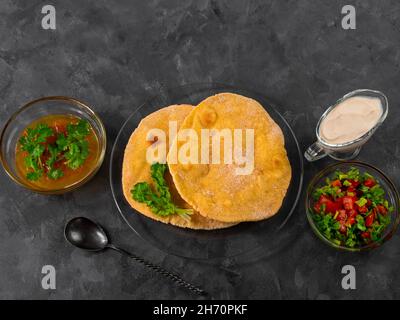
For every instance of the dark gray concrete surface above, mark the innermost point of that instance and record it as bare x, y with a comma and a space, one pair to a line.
115, 54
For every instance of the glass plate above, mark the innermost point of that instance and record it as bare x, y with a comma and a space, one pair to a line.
269, 234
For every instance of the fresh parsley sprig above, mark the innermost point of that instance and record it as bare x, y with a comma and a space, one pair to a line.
33, 143
75, 145
160, 202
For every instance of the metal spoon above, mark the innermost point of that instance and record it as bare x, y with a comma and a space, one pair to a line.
88, 235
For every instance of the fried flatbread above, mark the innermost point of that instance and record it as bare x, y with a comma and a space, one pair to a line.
136, 169
216, 190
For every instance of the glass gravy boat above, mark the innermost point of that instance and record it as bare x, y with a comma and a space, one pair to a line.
348, 150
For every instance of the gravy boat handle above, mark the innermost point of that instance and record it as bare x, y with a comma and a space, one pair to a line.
315, 152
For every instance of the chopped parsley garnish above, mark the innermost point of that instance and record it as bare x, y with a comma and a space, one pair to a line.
71, 149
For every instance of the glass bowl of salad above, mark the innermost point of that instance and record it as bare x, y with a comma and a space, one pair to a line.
352, 206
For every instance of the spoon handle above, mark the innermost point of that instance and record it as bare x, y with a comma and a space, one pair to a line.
178, 280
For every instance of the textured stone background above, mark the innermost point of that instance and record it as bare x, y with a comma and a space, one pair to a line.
114, 54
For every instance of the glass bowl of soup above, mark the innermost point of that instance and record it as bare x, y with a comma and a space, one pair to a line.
53, 145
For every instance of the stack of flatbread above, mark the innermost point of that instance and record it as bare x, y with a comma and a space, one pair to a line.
219, 195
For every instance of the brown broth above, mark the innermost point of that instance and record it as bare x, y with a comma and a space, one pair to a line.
70, 177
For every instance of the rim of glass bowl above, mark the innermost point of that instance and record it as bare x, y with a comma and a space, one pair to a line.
101, 137
329, 170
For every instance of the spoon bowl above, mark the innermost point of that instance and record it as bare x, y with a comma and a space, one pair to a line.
86, 234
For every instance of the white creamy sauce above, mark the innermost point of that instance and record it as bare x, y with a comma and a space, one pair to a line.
350, 119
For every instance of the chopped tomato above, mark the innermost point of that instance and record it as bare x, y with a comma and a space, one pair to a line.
350, 221
369, 220
352, 213
351, 190
369, 203
339, 203
369, 182
348, 202
317, 207
366, 235
354, 183
382, 210
336, 183
342, 216
330, 205
362, 209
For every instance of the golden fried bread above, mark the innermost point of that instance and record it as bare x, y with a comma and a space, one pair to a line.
136, 168
216, 191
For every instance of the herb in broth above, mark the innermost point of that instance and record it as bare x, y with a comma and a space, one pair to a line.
47, 149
